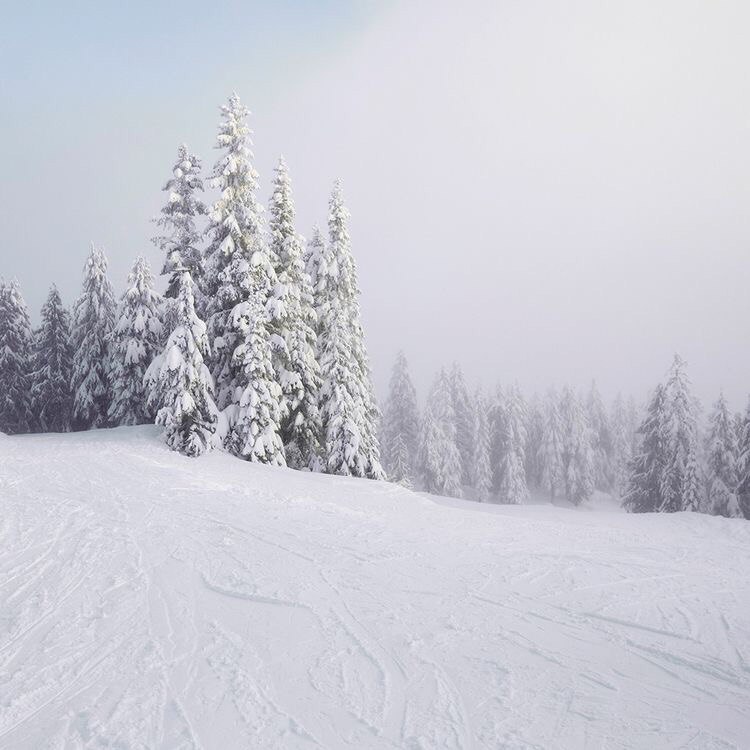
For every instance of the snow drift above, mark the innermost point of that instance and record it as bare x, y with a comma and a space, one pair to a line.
148, 600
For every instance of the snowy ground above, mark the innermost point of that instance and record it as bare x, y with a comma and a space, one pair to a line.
152, 601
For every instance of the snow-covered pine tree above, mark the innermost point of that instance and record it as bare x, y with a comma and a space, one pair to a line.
439, 459
681, 480
256, 413
601, 440
462, 408
93, 322
180, 243
643, 492
721, 462
481, 479
340, 335
16, 414
551, 448
52, 367
237, 263
295, 363
400, 429
534, 442
512, 474
179, 382
135, 342
743, 463
577, 462
622, 446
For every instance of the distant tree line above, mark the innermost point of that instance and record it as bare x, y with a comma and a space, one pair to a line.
256, 347
501, 447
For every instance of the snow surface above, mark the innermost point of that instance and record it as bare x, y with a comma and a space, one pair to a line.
148, 600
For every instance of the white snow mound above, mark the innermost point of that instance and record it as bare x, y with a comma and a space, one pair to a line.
149, 600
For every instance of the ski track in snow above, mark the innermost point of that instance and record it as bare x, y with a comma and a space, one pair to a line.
148, 600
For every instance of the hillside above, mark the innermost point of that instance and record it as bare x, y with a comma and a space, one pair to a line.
148, 600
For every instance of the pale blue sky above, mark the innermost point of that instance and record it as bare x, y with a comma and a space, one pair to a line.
545, 191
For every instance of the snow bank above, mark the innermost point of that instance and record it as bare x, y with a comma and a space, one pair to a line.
151, 600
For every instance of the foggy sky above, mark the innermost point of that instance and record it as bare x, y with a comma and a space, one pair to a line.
547, 192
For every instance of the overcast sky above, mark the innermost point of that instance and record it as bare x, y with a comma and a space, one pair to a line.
547, 192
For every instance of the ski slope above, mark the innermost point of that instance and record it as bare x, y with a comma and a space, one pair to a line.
148, 600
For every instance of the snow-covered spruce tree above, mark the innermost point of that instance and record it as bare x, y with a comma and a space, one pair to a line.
481, 479
93, 322
236, 262
743, 462
551, 447
400, 428
439, 459
722, 463
179, 382
256, 415
462, 408
601, 440
622, 446
643, 492
577, 462
340, 335
295, 363
681, 478
512, 474
534, 442
52, 367
16, 414
135, 342
180, 242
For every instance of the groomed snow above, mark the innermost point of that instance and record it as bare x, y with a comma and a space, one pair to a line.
148, 600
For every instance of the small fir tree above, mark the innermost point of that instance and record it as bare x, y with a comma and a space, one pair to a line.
52, 367
179, 382
16, 413
135, 343
439, 459
400, 425
722, 463
481, 469
93, 323
643, 492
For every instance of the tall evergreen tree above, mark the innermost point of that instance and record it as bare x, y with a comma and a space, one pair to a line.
643, 492
93, 323
179, 382
743, 463
601, 440
135, 343
400, 425
180, 242
577, 461
295, 362
512, 475
52, 367
15, 361
622, 446
237, 264
551, 448
481, 479
349, 412
534, 442
439, 459
462, 408
680, 481
722, 462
